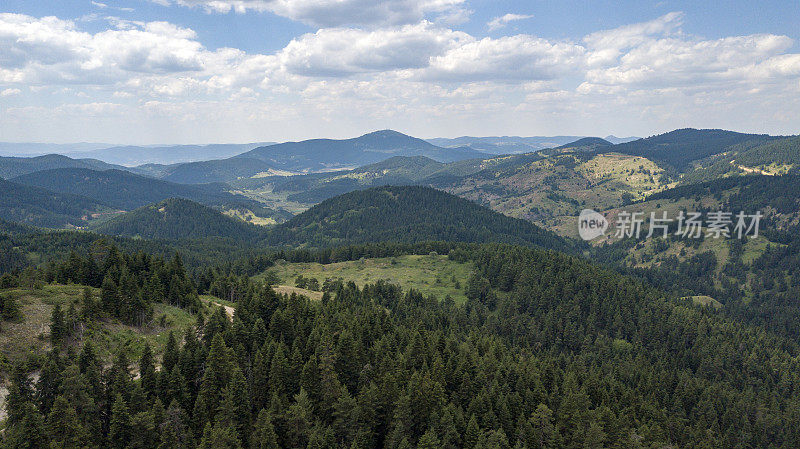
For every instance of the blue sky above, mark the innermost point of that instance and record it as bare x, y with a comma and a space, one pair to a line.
199, 71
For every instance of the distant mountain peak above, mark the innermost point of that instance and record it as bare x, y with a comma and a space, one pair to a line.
386, 133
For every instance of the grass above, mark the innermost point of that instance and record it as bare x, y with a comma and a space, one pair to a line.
248, 216
432, 274
705, 301
29, 337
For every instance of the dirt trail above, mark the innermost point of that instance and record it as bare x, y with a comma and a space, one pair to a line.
228, 309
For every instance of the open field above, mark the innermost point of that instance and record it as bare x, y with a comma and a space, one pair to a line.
432, 274
706, 301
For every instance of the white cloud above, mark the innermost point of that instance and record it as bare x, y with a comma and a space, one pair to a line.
421, 76
343, 51
502, 21
50, 51
511, 58
336, 13
657, 54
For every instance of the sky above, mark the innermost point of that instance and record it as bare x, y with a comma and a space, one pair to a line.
235, 71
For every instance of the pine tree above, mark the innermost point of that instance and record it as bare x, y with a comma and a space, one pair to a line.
144, 434
595, 437
58, 328
299, 419
544, 433
64, 427
215, 379
472, 433
429, 440
264, 436
174, 432
109, 296
170, 358
49, 382
147, 371
27, 430
119, 429
219, 437
89, 307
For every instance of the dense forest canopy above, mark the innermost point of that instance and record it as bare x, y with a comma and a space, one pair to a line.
549, 351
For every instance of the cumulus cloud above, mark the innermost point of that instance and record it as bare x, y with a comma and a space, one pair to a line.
520, 58
346, 51
375, 75
502, 21
336, 13
51, 51
656, 54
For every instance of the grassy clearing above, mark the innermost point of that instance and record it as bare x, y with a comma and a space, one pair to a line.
288, 290
432, 275
29, 337
248, 216
639, 174
705, 301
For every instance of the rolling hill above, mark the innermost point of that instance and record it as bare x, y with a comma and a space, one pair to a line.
406, 214
324, 154
681, 147
495, 145
586, 142
176, 219
204, 172
40, 207
316, 155
125, 190
132, 155
11, 167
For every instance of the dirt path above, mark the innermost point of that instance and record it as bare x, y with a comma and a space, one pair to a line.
228, 309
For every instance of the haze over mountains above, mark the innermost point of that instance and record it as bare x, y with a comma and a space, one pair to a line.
270, 183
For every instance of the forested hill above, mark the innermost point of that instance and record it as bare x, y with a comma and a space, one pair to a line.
406, 214
36, 206
11, 167
176, 219
367, 149
126, 190
681, 147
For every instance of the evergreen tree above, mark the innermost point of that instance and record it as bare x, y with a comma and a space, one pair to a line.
58, 328
119, 429
264, 436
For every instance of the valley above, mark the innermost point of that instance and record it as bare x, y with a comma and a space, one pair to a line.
239, 295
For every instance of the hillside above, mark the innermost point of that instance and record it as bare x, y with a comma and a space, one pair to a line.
126, 190
755, 278
132, 155
41, 207
681, 147
204, 172
586, 143
496, 145
11, 167
405, 214
175, 219
325, 154
774, 157
398, 170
